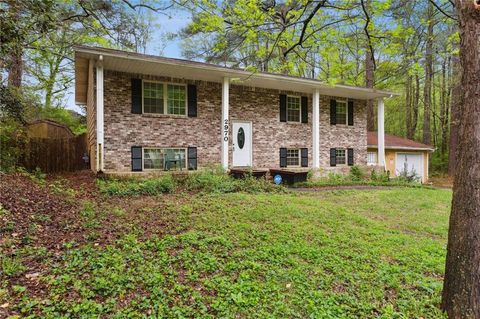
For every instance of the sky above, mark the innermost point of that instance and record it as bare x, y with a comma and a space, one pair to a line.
156, 46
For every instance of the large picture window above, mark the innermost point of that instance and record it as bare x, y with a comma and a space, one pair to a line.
164, 98
293, 109
164, 158
341, 111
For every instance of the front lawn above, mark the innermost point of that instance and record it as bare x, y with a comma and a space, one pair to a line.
327, 254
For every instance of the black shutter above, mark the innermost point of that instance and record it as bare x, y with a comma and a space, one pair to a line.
136, 158
350, 156
283, 108
350, 112
304, 109
333, 157
136, 96
283, 157
304, 157
192, 158
192, 100
333, 112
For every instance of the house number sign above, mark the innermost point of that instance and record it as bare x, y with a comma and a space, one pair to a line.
225, 130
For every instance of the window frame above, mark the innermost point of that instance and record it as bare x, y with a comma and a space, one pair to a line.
346, 111
299, 98
165, 98
163, 148
299, 157
345, 157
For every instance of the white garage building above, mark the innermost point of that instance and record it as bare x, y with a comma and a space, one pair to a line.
401, 154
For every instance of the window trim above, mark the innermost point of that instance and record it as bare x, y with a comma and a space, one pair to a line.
299, 157
346, 111
299, 108
163, 148
345, 150
165, 98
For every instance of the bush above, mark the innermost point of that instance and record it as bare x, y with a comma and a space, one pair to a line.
408, 176
209, 180
381, 177
132, 187
212, 180
250, 184
356, 173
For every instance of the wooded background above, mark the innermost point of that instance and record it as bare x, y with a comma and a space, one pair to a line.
410, 47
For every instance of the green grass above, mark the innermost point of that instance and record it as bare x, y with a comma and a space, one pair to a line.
335, 254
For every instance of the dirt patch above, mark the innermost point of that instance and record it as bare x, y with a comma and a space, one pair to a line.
441, 181
35, 215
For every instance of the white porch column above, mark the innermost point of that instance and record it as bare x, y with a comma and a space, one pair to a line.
225, 122
99, 111
316, 129
381, 132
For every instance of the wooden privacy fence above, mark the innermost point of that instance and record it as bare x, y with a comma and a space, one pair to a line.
55, 154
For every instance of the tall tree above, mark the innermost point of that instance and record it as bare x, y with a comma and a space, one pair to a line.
461, 293
369, 63
427, 91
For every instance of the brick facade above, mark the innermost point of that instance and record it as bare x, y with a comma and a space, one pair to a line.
260, 106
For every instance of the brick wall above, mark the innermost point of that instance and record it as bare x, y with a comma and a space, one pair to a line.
260, 106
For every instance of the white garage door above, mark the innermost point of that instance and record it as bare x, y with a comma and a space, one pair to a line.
410, 162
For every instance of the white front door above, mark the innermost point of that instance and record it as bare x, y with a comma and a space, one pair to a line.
242, 143
409, 162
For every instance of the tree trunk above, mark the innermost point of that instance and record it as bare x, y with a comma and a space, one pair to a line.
461, 290
455, 103
408, 105
427, 99
369, 82
443, 107
15, 63
416, 102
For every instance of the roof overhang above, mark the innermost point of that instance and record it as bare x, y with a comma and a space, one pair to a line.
159, 66
404, 148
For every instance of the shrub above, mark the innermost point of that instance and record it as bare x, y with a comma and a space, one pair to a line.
382, 177
251, 184
336, 178
213, 180
408, 176
356, 173
132, 187
209, 180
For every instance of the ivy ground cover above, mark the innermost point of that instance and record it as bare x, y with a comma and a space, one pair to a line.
330, 254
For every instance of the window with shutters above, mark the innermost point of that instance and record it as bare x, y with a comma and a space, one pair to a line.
341, 112
340, 156
293, 108
372, 158
164, 98
164, 159
293, 157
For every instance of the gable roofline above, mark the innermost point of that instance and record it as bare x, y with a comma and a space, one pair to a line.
393, 142
122, 61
